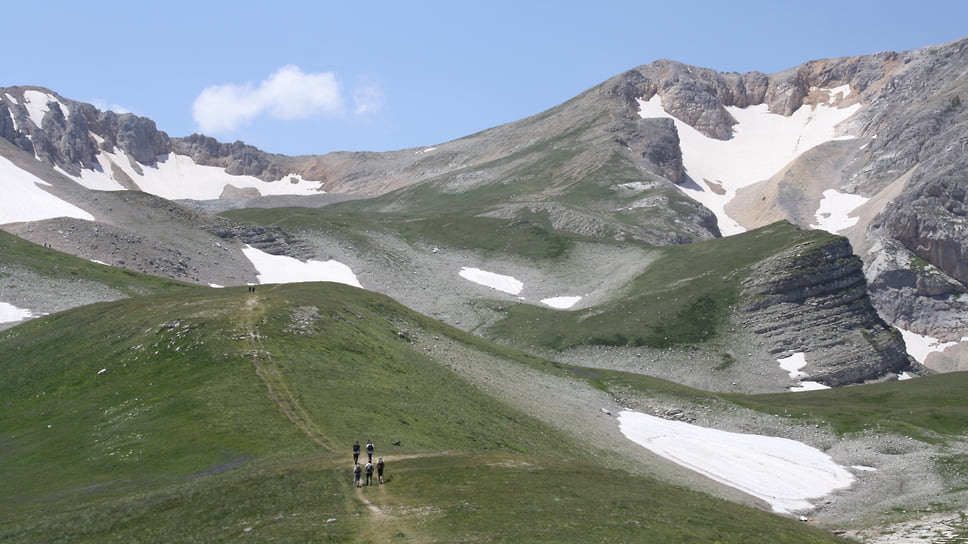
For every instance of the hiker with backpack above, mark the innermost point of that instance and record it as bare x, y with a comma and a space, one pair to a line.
356, 451
369, 450
356, 473
379, 470
369, 473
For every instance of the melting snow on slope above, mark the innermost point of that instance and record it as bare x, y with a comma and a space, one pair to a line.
284, 269
560, 303
10, 313
512, 286
785, 473
500, 282
833, 215
178, 177
762, 144
920, 347
24, 200
37, 106
792, 365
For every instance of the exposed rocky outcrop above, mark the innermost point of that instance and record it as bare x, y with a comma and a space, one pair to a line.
136, 136
656, 141
69, 131
915, 129
271, 240
236, 158
813, 299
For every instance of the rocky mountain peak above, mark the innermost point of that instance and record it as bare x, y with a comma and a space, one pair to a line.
70, 134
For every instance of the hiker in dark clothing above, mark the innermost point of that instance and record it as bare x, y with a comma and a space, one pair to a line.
379, 470
356, 473
356, 451
369, 473
369, 450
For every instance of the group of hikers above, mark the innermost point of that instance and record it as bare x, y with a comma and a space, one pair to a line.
368, 469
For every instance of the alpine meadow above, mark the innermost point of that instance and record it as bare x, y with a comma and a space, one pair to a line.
681, 306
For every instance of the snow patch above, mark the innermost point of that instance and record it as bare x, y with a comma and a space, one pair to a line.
793, 364
808, 386
833, 214
785, 473
38, 104
560, 303
24, 200
506, 284
761, 145
177, 177
285, 269
920, 347
10, 313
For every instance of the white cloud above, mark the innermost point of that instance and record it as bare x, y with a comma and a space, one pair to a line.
367, 98
287, 94
104, 105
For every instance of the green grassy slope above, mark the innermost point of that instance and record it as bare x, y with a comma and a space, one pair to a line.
209, 414
530, 236
57, 266
929, 409
682, 298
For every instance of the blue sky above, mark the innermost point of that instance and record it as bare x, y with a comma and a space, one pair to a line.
318, 76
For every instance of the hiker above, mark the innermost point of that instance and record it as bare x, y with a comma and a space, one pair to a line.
356, 451
369, 473
356, 473
379, 470
369, 450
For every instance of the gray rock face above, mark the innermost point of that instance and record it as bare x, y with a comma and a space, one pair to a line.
656, 141
135, 135
64, 138
914, 117
237, 158
272, 240
813, 299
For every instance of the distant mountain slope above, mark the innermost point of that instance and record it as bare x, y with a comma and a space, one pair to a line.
602, 166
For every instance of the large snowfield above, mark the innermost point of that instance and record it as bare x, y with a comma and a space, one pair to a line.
785, 473
789, 475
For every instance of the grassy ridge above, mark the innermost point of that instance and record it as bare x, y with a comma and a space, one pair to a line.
221, 413
683, 297
230, 365
531, 236
928, 409
55, 265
